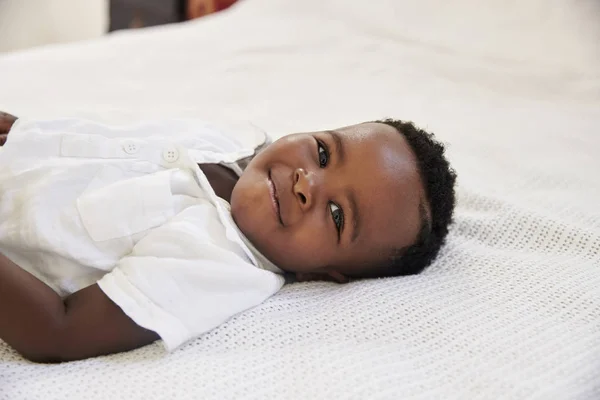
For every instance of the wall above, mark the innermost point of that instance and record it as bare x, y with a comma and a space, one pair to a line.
29, 23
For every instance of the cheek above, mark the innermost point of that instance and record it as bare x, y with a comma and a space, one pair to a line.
249, 209
289, 150
304, 248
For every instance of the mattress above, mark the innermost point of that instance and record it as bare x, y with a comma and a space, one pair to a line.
509, 310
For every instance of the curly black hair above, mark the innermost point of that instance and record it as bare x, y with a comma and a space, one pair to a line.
438, 179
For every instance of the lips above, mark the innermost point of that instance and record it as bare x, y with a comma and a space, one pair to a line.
274, 198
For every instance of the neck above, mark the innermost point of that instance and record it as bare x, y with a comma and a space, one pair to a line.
221, 179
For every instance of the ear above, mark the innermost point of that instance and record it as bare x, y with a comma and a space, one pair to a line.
338, 277
330, 276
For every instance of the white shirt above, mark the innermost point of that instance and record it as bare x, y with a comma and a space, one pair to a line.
130, 209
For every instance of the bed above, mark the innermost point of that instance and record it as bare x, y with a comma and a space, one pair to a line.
510, 309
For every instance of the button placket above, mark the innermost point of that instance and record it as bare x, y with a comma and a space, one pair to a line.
130, 147
170, 154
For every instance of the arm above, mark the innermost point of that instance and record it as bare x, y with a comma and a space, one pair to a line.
45, 328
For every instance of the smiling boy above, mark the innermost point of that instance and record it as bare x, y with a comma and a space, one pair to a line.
111, 238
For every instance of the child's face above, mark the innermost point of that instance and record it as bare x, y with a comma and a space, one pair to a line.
332, 203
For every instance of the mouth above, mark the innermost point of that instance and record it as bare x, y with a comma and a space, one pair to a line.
274, 198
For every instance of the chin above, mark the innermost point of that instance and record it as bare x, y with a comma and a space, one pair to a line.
242, 215
252, 212
255, 227
249, 216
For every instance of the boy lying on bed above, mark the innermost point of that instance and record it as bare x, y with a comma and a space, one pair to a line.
111, 238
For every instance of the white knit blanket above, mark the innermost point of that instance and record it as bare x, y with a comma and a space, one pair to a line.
510, 310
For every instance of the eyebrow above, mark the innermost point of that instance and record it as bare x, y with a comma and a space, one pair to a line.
355, 216
339, 144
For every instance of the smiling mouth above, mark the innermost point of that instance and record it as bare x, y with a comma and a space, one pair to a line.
274, 198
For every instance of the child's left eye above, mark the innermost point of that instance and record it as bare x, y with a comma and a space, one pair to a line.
338, 216
323, 155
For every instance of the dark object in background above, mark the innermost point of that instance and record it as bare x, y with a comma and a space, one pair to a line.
126, 14
6, 122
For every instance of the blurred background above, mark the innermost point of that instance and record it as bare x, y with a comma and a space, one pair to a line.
31, 23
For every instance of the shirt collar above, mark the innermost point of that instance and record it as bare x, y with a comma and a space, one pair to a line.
223, 207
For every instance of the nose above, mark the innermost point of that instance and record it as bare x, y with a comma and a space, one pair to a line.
305, 187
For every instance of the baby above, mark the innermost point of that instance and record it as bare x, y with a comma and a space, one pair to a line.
112, 238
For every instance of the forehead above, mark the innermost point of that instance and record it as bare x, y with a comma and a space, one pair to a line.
381, 152
385, 176
381, 143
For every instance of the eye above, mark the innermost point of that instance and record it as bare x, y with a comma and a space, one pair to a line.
338, 216
323, 154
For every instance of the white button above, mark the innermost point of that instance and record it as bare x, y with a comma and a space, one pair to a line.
131, 147
170, 154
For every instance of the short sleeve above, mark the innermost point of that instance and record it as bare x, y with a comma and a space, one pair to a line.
181, 280
188, 132
42, 139
72, 137
173, 128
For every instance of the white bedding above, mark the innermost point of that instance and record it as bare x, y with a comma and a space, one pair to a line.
511, 309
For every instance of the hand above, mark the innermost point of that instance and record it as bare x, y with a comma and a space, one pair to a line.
6, 122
